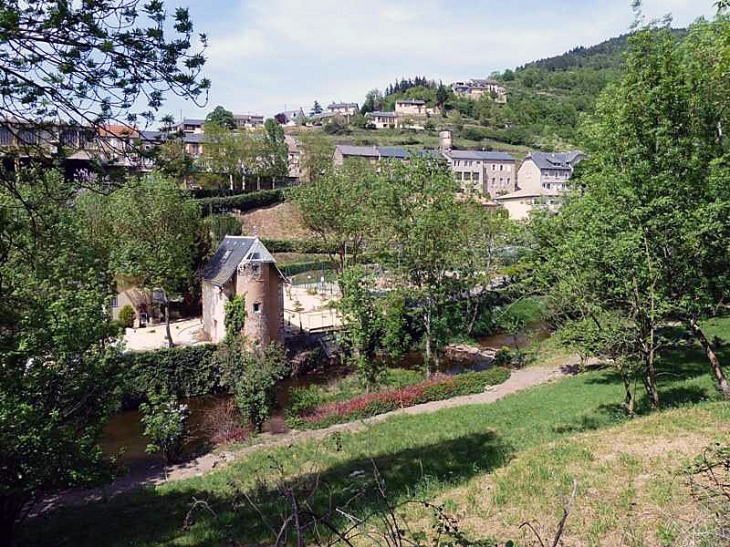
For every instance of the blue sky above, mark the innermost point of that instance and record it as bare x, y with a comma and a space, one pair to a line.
265, 56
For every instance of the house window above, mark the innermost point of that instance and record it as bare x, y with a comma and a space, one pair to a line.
458, 175
115, 302
501, 167
257, 307
494, 167
256, 268
467, 176
475, 176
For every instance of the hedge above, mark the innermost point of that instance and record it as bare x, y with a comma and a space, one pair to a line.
365, 406
186, 371
317, 265
242, 202
304, 246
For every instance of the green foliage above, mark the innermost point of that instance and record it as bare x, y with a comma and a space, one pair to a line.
256, 375
187, 371
220, 226
235, 316
362, 322
317, 156
59, 364
119, 65
336, 127
166, 424
127, 315
304, 246
336, 209
242, 202
221, 117
173, 160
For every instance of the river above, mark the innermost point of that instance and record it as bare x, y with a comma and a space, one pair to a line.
124, 432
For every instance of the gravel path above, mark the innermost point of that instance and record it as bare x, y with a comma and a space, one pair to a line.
157, 474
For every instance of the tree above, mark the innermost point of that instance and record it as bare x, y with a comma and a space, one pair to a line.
373, 102
227, 153
93, 62
153, 228
316, 109
259, 372
335, 208
59, 368
173, 160
665, 122
420, 229
222, 118
275, 153
126, 316
363, 325
316, 157
442, 95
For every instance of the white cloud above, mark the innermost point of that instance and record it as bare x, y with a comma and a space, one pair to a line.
290, 52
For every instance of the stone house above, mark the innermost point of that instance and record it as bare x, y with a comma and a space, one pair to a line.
475, 88
382, 120
484, 172
520, 204
410, 107
371, 153
346, 110
243, 266
142, 302
547, 171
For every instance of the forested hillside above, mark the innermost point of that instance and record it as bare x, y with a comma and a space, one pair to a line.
547, 98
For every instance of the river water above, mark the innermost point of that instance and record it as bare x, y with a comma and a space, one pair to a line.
124, 432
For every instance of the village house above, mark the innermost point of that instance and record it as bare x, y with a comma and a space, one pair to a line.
142, 302
410, 107
346, 110
475, 88
374, 154
542, 180
547, 171
291, 118
521, 203
243, 266
382, 120
248, 121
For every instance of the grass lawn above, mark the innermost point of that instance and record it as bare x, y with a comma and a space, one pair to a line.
493, 465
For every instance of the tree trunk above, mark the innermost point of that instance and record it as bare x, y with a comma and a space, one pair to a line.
652, 392
167, 325
428, 354
230, 179
722, 383
629, 400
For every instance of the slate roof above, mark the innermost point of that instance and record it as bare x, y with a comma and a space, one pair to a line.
381, 114
372, 151
411, 101
193, 138
559, 161
479, 155
193, 121
343, 105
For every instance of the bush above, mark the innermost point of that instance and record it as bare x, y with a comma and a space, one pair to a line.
242, 202
254, 376
182, 371
126, 316
438, 388
223, 423
304, 246
220, 226
166, 424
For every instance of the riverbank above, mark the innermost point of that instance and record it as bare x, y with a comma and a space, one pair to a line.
155, 473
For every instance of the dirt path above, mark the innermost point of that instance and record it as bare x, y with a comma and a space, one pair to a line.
157, 474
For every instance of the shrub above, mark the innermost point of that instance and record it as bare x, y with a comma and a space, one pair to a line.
186, 371
304, 246
220, 226
223, 423
437, 388
166, 424
126, 316
255, 376
242, 202
234, 316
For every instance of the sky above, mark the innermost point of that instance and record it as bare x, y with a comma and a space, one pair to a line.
265, 56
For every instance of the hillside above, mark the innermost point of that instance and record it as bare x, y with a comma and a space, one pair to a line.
547, 100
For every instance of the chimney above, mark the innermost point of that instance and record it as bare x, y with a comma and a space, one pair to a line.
445, 140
